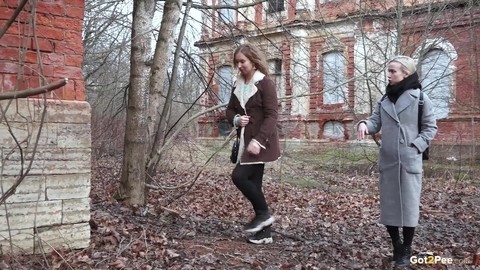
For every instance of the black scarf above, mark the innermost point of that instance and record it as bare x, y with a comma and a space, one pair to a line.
395, 91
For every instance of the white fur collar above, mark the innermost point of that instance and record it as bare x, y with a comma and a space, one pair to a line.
244, 95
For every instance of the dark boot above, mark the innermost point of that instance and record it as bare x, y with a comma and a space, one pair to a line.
408, 252
397, 250
404, 259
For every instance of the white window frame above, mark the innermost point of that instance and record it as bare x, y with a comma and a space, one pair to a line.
275, 67
337, 94
227, 15
224, 84
441, 109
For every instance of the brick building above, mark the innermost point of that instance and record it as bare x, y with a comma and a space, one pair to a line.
332, 55
51, 206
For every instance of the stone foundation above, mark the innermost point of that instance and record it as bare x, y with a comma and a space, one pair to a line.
50, 209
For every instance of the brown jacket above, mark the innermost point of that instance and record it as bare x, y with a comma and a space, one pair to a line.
261, 105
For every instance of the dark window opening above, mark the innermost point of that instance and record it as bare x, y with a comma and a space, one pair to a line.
276, 67
224, 128
275, 6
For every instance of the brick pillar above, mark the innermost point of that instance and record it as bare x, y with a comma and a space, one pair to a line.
51, 206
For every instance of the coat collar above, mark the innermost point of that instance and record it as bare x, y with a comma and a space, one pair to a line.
402, 103
244, 96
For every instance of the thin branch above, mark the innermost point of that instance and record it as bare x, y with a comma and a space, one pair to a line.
236, 7
13, 18
35, 91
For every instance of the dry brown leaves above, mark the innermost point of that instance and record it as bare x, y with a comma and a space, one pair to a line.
332, 224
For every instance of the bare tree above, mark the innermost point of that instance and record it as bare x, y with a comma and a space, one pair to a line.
156, 118
132, 185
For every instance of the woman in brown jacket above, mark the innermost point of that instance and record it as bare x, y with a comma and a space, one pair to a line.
252, 109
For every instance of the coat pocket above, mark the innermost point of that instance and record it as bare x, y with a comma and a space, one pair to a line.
413, 160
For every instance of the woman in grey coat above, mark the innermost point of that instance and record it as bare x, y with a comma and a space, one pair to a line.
400, 155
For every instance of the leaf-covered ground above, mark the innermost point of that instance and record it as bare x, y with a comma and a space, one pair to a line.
325, 220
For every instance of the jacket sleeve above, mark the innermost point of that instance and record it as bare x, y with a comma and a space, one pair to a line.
270, 111
374, 122
428, 130
230, 112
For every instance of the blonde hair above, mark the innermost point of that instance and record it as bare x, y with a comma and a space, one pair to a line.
254, 55
408, 64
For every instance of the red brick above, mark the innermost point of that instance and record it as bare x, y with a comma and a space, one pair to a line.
68, 91
69, 48
9, 40
68, 23
290, 7
53, 59
28, 57
73, 37
258, 14
68, 72
75, 12
13, 29
45, 19
73, 60
34, 82
42, 44
21, 83
80, 90
51, 8
5, 14
9, 82
34, 70
9, 54
50, 32
8, 67
74, 3
10, 3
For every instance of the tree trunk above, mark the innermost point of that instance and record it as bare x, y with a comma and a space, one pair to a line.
132, 186
157, 109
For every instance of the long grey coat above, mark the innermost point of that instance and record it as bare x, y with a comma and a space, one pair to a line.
400, 156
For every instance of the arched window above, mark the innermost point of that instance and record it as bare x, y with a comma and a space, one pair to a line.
225, 79
334, 85
436, 78
334, 130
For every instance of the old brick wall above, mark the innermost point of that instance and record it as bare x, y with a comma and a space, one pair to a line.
51, 206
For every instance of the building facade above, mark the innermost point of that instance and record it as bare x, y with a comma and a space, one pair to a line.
44, 139
328, 59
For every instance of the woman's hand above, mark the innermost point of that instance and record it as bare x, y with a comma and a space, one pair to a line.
253, 148
362, 131
243, 120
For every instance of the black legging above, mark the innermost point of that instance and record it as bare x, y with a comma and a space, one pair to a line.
248, 179
408, 233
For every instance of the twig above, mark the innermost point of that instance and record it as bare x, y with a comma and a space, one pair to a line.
35, 91
58, 253
229, 137
13, 18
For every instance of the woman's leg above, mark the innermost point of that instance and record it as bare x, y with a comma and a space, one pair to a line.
401, 252
248, 179
394, 234
396, 242
408, 233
